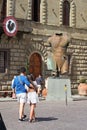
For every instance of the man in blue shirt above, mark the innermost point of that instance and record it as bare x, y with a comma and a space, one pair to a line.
19, 89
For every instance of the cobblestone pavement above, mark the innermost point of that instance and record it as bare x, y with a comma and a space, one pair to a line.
52, 115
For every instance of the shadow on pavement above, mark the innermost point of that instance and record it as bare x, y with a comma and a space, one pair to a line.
46, 118
39, 119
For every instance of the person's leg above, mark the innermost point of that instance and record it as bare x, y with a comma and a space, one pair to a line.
33, 101
34, 115
21, 110
21, 106
32, 112
23, 115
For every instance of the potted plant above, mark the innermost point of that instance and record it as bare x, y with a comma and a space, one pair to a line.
82, 87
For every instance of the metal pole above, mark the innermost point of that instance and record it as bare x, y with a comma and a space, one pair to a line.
65, 88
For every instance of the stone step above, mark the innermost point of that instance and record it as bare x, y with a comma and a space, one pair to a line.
78, 97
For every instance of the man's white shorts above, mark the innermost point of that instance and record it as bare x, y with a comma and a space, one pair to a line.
22, 97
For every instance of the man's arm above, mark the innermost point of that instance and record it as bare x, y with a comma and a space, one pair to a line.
13, 94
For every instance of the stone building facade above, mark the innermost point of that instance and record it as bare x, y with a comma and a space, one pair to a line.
37, 21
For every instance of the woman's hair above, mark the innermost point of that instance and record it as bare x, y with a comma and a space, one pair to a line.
30, 77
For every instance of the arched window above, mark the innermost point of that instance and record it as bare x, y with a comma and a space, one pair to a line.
66, 12
36, 10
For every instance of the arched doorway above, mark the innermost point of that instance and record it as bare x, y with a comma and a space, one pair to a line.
35, 64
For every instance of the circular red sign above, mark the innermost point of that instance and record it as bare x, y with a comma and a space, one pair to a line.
10, 26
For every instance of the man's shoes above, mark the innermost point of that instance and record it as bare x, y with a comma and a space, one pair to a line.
24, 117
21, 120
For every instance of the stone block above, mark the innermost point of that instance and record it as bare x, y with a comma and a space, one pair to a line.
4, 87
56, 89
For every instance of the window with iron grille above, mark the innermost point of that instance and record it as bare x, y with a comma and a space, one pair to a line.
4, 60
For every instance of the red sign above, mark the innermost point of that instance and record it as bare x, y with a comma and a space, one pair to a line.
10, 26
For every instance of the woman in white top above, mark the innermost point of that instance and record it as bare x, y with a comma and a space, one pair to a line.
32, 99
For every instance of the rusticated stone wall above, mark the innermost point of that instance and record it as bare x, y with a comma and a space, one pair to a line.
79, 60
24, 43
51, 12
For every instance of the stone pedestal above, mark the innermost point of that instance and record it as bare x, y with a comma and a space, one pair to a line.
57, 90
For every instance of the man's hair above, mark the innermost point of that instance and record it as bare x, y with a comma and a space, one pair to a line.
22, 70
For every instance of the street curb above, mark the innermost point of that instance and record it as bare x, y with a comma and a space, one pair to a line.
8, 99
74, 98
